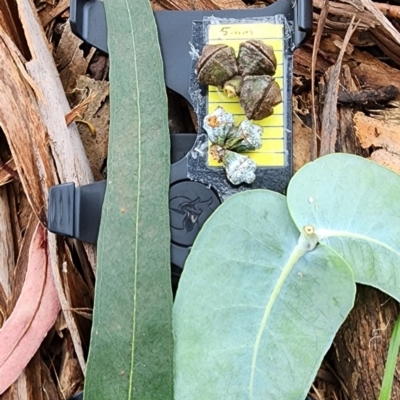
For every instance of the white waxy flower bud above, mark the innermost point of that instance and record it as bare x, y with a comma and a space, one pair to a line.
239, 168
218, 125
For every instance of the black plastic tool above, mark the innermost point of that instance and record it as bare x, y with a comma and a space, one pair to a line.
76, 211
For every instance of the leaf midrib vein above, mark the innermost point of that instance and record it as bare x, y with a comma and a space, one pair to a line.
296, 254
327, 233
137, 201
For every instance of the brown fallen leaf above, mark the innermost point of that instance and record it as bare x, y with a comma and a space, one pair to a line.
33, 316
70, 59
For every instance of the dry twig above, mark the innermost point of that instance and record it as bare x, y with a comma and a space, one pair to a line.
329, 119
317, 40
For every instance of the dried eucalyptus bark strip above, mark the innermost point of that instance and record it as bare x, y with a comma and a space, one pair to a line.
329, 120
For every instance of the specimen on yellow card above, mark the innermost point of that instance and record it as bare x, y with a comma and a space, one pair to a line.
248, 76
228, 140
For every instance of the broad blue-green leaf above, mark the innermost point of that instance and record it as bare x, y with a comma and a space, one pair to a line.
252, 318
131, 351
354, 206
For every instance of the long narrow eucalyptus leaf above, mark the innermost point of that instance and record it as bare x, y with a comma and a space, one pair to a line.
131, 348
391, 362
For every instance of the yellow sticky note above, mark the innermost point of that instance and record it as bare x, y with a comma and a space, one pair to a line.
273, 150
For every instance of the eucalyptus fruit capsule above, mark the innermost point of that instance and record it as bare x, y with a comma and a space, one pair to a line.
216, 65
256, 58
259, 95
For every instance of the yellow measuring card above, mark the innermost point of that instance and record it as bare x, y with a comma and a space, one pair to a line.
273, 151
